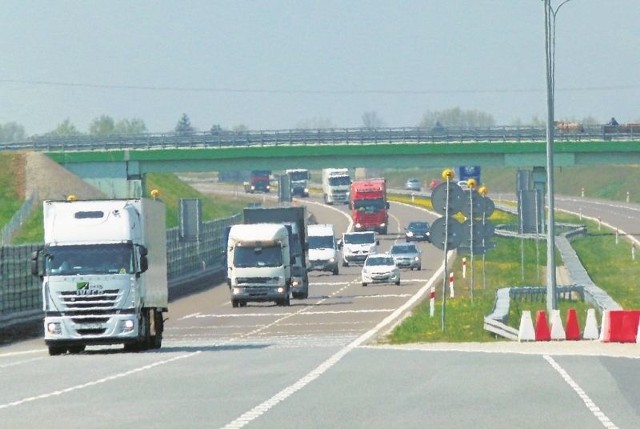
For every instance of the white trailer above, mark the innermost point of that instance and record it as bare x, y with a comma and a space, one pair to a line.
336, 183
104, 274
258, 264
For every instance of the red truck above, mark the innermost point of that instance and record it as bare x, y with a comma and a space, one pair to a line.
369, 206
258, 182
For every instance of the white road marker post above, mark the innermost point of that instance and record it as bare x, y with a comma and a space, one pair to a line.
451, 292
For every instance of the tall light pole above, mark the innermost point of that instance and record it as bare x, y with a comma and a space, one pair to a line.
550, 49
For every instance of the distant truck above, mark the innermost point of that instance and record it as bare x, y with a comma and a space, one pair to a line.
104, 274
299, 182
323, 248
258, 264
259, 181
336, 184
369, 206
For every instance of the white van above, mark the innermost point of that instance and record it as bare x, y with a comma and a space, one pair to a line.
323, 248
356, 246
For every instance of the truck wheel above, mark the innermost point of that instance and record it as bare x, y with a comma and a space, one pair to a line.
419, 267
56, 350
364, 284
158, 324
345, 264
398, 283
234, 303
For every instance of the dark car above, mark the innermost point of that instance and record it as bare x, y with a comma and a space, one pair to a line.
417, 231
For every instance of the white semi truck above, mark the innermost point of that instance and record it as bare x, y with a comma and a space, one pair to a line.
299, 180
336, 184
258, 264
104, 274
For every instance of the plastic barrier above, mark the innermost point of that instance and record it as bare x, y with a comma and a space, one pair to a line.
542, 327
591, 326
557, 330
573, 329
526, 332
620, 326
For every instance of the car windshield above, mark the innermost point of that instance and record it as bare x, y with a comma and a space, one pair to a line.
403, 248
320, 242
378, 261
418, 226
364, 238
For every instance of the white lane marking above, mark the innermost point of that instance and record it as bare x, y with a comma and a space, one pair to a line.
22, 362
10, 354
591, 406
262, 408
189, 316
282, 316
95, 382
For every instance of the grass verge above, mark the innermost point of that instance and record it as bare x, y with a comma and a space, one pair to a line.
513, 263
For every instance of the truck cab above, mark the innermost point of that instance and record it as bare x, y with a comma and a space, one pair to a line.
258, 264
259, 181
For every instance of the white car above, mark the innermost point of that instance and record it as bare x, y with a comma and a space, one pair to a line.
380, 268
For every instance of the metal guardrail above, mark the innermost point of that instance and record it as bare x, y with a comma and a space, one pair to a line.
16, 221
225, 138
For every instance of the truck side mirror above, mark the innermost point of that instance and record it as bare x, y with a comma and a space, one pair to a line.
388, 205
36, 267
144, 263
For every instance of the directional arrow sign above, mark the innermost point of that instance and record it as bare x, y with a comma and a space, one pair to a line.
438, 236
456, 198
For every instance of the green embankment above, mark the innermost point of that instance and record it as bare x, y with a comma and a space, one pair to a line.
171, 189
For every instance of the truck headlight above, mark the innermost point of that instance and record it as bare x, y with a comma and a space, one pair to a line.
54, 328
128, 325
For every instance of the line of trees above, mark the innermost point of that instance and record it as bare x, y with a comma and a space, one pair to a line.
105, 125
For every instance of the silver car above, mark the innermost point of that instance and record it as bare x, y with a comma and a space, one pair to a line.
407, 255
412, 184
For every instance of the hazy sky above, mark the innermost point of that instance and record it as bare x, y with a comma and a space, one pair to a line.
279, 64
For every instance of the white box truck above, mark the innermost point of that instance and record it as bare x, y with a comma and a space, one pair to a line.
258, 264
323, 248
104, 274
336, 184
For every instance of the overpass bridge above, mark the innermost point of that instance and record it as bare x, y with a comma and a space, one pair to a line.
117, 164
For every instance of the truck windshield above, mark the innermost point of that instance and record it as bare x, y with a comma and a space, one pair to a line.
299, 175
245, 257
321, 242
90, 259
369, 206
364, 238
340, 181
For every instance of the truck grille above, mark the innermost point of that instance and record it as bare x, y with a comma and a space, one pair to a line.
105, 300
257, 280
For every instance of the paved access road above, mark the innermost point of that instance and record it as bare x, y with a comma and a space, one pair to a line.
316, 365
